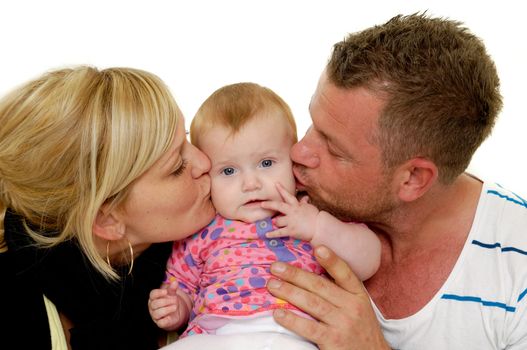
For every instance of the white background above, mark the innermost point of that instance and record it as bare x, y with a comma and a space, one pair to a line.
197, 46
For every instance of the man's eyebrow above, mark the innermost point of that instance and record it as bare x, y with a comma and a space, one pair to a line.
332, 142
325, 136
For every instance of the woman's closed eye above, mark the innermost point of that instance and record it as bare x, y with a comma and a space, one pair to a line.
181, 168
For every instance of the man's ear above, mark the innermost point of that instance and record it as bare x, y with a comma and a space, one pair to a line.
108, 225
415, 177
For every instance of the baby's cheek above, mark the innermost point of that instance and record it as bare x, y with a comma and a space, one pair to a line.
224, 203
288, 181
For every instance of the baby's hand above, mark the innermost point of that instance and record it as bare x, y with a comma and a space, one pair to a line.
167, 308
299, 217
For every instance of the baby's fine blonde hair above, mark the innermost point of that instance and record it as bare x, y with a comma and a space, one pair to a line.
75, 139
234, 105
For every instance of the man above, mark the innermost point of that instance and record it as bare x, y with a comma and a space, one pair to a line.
397, 115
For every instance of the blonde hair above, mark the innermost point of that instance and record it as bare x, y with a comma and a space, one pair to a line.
234, 105
75, 139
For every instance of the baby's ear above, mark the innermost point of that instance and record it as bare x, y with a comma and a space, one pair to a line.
416, 176
108, 226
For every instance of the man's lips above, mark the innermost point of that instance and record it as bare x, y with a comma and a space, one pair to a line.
299, 184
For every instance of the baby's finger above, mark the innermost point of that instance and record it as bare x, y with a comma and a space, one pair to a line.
157, 293
168, 322
160, 313
277, 233
304, 199
172, 289
286, 196
281, 221
276, 206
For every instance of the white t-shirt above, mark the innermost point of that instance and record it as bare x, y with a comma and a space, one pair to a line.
482, 304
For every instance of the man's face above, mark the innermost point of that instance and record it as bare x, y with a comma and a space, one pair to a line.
337, 162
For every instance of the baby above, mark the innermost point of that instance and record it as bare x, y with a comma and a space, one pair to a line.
218, 276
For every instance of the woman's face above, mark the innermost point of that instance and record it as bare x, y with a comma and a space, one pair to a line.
172, 199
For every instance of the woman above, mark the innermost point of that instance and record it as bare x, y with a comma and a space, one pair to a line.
95, 173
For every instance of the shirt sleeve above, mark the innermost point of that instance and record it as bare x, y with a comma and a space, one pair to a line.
185, 265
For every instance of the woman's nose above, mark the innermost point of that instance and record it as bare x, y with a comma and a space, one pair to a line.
200, 163
305, 152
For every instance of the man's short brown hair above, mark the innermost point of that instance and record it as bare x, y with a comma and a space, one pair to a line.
441, 88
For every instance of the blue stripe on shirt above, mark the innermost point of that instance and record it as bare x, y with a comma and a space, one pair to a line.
498, 245
522, 294
520, 201
479, 300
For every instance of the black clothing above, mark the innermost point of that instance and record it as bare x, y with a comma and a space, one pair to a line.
105, 314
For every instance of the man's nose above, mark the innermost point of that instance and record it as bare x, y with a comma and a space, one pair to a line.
305, 152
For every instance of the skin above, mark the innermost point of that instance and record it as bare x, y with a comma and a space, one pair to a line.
169, 201
245, 169
334, 152
173, 194
247, 166
355, 243
421, 223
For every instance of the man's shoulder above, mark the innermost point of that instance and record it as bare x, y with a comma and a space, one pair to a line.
507, 208
504, 195
499, 231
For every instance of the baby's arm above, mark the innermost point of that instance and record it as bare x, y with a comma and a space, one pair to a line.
169, 307
355, 243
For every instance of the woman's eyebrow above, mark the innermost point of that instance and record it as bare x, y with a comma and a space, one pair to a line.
172, 156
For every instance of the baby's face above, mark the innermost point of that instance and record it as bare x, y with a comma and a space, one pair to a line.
246, 166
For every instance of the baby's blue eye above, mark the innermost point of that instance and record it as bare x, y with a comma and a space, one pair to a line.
266, 163
228, 171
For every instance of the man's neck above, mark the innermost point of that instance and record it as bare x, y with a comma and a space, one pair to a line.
445, 212
421, 245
